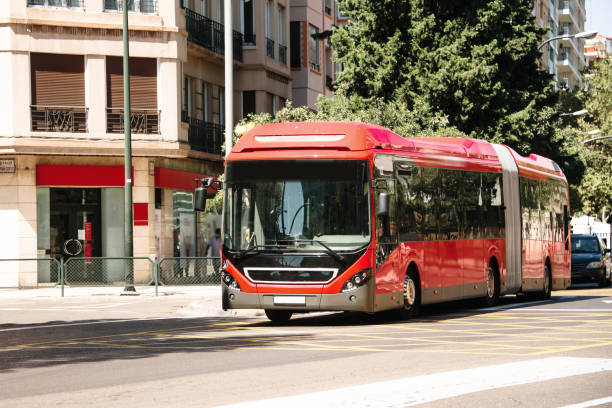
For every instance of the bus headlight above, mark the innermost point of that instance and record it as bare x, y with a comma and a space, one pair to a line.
594, 265
229, 281
357, 280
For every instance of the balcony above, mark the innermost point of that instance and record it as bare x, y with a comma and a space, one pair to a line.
140, 6
209, 34
205, 136
269, 47
143, 121
71, 119
282, 54
56, 3
566, 12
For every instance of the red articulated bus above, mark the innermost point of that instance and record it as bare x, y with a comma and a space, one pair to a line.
350, 216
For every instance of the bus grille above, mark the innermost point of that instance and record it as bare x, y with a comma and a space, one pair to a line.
291, 275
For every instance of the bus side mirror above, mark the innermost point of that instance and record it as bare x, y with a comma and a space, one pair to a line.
199, 199
383, 205
203, 192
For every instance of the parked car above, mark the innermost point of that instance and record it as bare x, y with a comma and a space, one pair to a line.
590, 260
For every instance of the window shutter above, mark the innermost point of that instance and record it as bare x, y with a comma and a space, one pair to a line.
143, 82
57, 80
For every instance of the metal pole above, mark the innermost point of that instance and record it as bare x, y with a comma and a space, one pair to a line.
229, 78
127, 126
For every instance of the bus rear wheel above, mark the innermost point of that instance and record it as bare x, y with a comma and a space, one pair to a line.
492, 296
547, 289
278, 316
412, 295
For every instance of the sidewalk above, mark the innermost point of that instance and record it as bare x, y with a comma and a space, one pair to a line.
196, 301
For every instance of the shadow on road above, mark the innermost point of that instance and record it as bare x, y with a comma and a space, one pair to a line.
30, 346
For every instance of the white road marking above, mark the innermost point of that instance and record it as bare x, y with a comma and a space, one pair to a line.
422, 389
607, 301
592, 403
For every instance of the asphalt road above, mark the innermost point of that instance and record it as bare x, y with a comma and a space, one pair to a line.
112, 351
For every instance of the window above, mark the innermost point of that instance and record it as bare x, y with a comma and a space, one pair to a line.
248, 103
328, 7
248, 27
58, 93
143, 93
142, 6
341, 16
296, 43
313, 48
269, 21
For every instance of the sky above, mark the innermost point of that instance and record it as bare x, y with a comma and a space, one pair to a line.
599, 16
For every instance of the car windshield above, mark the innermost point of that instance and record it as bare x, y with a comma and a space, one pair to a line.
584, 245
318, 205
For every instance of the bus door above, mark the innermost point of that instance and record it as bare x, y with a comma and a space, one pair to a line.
387, 274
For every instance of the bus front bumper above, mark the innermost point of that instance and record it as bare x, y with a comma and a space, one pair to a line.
359, 299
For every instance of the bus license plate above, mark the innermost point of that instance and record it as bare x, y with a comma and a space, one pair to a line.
290, 300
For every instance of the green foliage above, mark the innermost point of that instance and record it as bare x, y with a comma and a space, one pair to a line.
595, 190
470, 62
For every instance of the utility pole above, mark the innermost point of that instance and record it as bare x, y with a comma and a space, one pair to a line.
128, 234
229, 76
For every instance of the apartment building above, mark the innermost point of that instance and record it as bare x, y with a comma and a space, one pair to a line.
61, 121
563, 58
597, 48
312, 67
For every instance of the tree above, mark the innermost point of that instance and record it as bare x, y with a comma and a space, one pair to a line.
596, 187
472, 62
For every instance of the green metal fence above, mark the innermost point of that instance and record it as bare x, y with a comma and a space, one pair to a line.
30, 272
190, 271
108, 271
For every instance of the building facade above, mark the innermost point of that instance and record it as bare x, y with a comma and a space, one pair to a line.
563, 58
597, 48
61, 125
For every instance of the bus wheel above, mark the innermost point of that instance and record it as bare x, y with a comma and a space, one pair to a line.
278, 316
492, 297
412, 295
547, 290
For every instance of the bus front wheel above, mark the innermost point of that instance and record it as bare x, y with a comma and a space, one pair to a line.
412, 295
279, 316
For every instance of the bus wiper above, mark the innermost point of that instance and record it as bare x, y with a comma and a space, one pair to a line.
257, 249
330, 251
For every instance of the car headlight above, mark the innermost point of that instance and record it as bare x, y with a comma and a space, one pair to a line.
594, 265
229, 281
357, 280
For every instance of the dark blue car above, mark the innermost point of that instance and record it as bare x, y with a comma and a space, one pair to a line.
590, 260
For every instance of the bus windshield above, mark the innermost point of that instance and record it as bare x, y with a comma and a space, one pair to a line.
297, 204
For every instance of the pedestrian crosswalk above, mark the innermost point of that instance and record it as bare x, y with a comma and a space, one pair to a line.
412, 391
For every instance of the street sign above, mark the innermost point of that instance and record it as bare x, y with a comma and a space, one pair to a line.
7, 165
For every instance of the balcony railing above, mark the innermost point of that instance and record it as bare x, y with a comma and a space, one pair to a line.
59, 118
205, 136
282, 54
269, 47
56, 3
141, 6
144, 121
209, 34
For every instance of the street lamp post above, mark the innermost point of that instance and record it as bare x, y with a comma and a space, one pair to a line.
127, 127
577, 113
595, 139
583, 34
